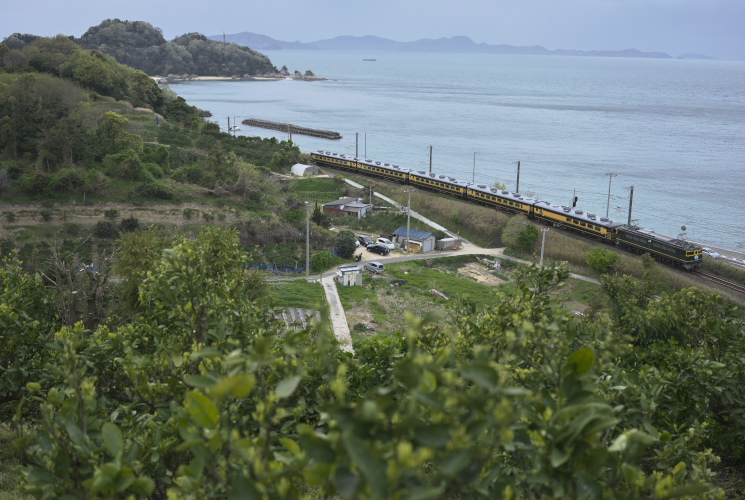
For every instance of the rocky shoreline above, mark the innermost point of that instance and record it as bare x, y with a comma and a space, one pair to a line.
283, 74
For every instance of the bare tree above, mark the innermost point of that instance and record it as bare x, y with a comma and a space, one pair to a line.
82, 289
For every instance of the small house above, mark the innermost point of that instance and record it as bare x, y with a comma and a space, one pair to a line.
349, 275
421, 241
351, 207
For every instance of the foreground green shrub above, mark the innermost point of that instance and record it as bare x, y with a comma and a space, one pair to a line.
199, 397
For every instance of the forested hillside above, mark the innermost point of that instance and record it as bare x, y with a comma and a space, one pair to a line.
141, 46
63, 129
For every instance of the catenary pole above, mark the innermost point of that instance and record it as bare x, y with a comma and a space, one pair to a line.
610, 175
473, 179
517, 189
543, 244
430, 159
631, 202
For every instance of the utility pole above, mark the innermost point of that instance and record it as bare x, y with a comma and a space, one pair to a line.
430, 159
365, 145
356, 149
228, 124
371, 193
473, 179
408, 223
543, 244
307, 240
610, 175
631, 202
517, 189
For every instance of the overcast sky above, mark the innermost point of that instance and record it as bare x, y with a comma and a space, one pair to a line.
711, 27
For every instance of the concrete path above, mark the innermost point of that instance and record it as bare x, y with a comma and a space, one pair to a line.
338, 318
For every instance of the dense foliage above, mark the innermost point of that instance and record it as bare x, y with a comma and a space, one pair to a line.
346, 243
520, 233
202, 394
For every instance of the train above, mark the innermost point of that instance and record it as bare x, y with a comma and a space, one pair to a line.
673, 251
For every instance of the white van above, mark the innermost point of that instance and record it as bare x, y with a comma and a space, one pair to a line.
374, 267
386, 242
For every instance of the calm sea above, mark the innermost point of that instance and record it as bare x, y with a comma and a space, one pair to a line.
673, 129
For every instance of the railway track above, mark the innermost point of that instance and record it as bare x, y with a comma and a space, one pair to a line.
721, 282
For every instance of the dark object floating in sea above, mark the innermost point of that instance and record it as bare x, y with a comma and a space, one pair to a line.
368, 59
291, 129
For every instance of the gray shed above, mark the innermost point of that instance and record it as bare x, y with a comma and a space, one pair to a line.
421, 241
349, 275
302, 170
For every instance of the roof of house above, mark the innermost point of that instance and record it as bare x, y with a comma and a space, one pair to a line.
414, 235
348, 269
350, 202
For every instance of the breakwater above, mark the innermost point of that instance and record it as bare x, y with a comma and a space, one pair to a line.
291, 129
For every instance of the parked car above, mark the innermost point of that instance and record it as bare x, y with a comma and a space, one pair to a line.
374, 267
711, 253
386, 242
364, 240
379, 249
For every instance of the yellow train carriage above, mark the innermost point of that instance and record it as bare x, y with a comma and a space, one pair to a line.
333, 160
439, 183
500, 199
384, 170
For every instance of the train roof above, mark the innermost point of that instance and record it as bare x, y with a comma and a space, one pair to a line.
502, 193
676, 242
577, 213
365, 161
439, 177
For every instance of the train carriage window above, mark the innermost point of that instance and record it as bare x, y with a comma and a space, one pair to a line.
582, 224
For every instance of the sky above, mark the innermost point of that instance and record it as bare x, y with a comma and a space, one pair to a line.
711, 27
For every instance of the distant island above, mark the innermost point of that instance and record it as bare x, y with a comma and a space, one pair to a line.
694, 56
456, 44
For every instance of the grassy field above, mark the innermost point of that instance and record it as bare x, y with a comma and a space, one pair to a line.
10, 461
378, 308
299, 293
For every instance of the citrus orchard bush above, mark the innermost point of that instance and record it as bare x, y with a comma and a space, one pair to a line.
204, 395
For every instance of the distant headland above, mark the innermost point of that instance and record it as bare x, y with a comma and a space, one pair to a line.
456, 44
191, 56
